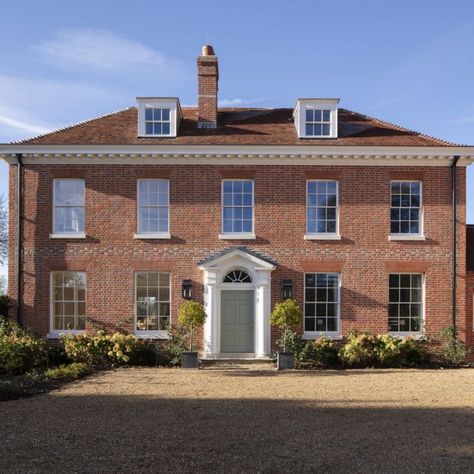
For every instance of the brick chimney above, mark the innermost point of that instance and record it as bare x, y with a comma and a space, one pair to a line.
208, 77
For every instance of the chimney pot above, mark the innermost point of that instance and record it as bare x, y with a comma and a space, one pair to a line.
207, 50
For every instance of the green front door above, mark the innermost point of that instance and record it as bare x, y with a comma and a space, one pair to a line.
237, 321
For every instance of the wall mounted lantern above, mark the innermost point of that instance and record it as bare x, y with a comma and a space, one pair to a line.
187, 289
287, 289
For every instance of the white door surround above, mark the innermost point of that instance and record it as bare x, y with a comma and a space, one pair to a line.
214, 272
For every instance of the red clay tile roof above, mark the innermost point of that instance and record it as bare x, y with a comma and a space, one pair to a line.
243, 126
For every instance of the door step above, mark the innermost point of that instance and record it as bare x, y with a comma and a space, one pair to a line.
237, 363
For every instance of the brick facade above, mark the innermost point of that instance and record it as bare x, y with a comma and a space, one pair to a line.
364, 256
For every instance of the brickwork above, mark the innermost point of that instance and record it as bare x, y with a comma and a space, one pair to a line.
364, 255
208, 76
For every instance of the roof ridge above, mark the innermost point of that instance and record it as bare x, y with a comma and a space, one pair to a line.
399, 127
61, 129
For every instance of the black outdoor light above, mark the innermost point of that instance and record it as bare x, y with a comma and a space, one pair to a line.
187, 289
286, 289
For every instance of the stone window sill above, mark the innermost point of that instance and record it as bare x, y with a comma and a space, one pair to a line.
238, 236
152, 236
322, 237
80, 235
401, 237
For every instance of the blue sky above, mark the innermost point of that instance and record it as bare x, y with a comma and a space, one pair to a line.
409, 62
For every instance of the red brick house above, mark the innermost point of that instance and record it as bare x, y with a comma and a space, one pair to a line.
114, 221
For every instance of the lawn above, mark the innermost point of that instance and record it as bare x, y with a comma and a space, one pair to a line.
241, 420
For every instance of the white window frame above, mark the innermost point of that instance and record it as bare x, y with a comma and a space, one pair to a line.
299, 116
55, 333
322, 235
316, 334
67, 235
415, 334
237, 235
171, 103
152, 235
408, 236
153, 334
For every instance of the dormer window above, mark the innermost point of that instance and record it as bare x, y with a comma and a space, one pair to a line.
318, 122
157, 121
158, 117
316, 118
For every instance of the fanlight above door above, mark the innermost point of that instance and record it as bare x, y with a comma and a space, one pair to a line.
237, 276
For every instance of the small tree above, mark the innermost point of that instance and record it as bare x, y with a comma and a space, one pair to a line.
285, 314
191, 316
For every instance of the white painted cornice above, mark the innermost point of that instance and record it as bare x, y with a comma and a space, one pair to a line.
240, 155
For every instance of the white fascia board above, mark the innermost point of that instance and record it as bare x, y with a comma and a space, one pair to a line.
323, 150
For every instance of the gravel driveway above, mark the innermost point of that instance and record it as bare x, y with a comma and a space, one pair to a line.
245, 420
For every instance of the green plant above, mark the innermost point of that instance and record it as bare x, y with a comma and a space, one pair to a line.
453, 351
394, 351
69, 372
100, 349
144, 355
325, 352
19, 350
292, 343
360, 350
285, 314
175, 344
191, 316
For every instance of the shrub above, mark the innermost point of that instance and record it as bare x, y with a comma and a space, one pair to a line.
144, 354
176, 344
56, 355
394, 351
292, 343
320, 353
285, 314
366, 350
191, 316
19, 350
453, 351
325, 352
360, 350
100, 349
69, 372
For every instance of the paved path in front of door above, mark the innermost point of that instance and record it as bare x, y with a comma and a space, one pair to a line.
245, 420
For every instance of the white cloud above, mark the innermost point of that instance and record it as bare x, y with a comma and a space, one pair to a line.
21, 126
104, 51
238, 101
464, 120
33, 106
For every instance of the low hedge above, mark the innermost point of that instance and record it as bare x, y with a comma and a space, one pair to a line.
360, 350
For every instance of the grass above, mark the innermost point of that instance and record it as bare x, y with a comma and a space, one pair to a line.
17, 386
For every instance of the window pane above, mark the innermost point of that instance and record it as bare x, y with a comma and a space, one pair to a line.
148, 297
148, 114
309, 115
405, 308
322, 315
68, 293
166, 129
322, 207
165, 115
237, 211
